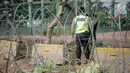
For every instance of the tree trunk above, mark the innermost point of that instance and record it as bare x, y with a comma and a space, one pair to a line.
55, 21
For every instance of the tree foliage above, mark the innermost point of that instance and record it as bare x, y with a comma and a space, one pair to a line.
101, 18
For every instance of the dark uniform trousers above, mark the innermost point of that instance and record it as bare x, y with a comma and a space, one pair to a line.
82, 41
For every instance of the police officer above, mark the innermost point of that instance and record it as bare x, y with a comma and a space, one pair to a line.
80, 27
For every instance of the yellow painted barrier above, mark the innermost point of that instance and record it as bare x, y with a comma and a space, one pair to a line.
47, 47
53, 52
5, 46
114, 57
114, 50
7, 43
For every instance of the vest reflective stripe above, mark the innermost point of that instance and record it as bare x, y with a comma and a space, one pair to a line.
81, 24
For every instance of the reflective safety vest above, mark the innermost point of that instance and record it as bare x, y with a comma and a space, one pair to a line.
81, 22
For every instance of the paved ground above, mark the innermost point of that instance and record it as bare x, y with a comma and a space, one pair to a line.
114, 39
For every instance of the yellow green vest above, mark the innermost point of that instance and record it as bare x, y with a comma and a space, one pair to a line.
81, 23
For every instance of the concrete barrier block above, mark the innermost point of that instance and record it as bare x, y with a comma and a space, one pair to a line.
53, 52
6, 47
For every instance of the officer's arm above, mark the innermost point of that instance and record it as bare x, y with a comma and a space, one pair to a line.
95, 27
95, 21
89, 22
73, 27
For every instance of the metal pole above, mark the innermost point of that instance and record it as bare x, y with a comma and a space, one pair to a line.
88, 7
85, 7
7, 20
42, 11
30, 15
76, 7
42, 16
12, 1
57, 6
7, 62
112, 10
128, 13
113, 7
119, 22
6, 7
